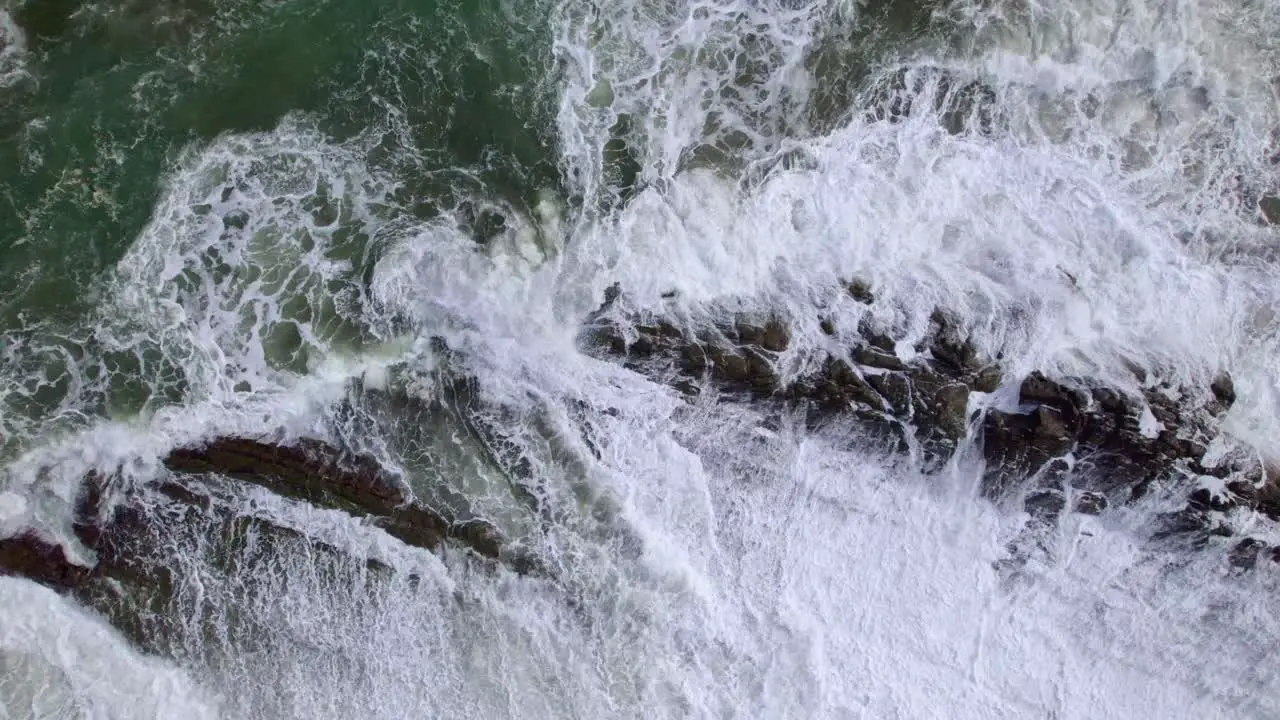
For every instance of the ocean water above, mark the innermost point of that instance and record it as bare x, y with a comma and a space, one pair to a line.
271, 218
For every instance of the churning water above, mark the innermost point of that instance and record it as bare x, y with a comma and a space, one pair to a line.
235, 217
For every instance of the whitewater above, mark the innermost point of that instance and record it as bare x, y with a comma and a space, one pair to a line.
1080, 182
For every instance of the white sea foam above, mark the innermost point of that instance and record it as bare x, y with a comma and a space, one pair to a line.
13, 51
57, 661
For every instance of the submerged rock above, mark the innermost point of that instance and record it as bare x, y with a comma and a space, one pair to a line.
860, 290
1269, 208
961, 105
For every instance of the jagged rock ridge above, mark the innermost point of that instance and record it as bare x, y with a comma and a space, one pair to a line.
1070, 442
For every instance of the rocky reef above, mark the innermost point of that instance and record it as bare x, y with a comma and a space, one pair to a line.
1049, 446
1052, 445
122, 527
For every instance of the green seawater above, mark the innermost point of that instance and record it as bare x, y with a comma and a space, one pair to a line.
117, 89
454, 99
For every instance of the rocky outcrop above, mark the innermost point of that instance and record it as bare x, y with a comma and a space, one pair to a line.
922, 403
1269, 208
133, 584
1069, 444
1105, 430
320, 474
1248, 553
139, 543
30, 556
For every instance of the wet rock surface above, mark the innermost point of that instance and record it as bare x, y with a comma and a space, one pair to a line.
925, 400
1269, 208
132, 581
325, 476
1247, 554
1062, 445
30, 556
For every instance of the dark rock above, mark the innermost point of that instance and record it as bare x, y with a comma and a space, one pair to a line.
1165, 409
839, 387
1051, 432
609, 336
1243, 489
1036, 389
1189, 525
307, 470
1268, 494
1110, 401
895, 389
776, 337
971, 107
688, 387
987, 379
236, 220
938, 411
875, 337
611, 295
1045, 505
479, 535
324, 476
1244, 554
1113, 452
772, 336
1205, 499
663, 333
693, 359
651, 340
644, 346
29, 556
1269, 208
1018, 444
860, 290
876, 358
828, 326
1091, 503
745, 369
948, 347
136, 578
947, 411
133, 582
1224, 390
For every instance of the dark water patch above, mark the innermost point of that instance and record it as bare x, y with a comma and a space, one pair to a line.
845, 58
464, 94
45, 21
